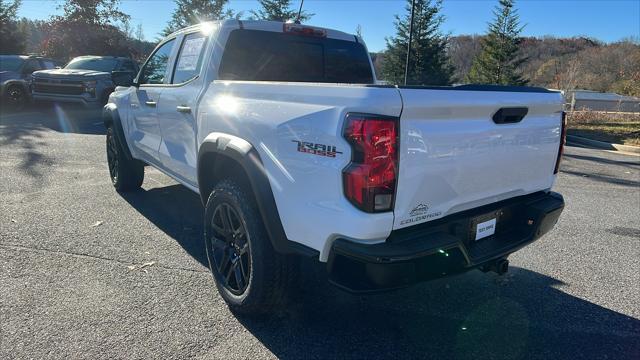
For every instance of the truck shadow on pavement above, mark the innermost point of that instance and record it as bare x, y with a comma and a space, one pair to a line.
523, 314
175, 210
470, 316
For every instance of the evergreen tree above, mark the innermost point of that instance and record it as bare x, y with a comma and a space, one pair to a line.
11, 38
279, 10
428, 63
191, 12
498, 62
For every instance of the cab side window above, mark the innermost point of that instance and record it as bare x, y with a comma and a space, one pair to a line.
127, 66
31, 66
47, 64
155, 69
190, 58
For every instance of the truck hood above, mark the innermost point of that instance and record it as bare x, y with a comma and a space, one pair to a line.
78, 74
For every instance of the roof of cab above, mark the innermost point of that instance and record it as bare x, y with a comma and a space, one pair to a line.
263, 25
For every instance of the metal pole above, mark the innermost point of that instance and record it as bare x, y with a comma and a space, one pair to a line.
406, 65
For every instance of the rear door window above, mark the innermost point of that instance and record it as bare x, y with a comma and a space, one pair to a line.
271, 56
190, 57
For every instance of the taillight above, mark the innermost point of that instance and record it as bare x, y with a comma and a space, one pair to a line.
563, 141
370, 179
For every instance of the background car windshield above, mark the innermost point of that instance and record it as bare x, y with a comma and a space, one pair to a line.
93, 64
10, 63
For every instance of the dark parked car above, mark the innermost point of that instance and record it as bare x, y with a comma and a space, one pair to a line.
85, 80
15, 76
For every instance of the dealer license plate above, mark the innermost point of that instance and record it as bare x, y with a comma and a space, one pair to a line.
485, 228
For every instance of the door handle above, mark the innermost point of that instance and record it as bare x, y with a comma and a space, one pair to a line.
134, 106
150, 103
510, 115
183, 109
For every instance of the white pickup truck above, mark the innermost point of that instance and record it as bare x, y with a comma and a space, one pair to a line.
295, 150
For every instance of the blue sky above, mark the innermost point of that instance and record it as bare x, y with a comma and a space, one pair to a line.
607, 20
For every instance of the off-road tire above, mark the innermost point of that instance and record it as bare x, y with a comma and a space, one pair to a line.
270, 274
126, 174
16, 97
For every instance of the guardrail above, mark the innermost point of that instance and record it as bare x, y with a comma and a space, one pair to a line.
602, 102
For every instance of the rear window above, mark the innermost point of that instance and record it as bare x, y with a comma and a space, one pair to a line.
270, 56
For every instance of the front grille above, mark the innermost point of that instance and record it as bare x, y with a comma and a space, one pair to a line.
66, 87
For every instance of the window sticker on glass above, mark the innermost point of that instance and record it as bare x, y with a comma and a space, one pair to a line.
190, 54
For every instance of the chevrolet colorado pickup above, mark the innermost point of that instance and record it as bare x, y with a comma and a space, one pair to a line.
295, 150
85, 80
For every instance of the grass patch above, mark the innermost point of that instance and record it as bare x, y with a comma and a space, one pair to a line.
619, 128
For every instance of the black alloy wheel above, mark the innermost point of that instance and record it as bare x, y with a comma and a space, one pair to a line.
230, 249
112, 156
17, 96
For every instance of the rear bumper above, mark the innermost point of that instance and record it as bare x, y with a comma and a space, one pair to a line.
442, 247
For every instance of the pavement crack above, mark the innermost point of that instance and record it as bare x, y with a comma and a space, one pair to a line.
94, 257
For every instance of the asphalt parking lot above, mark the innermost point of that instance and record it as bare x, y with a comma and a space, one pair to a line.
88, 273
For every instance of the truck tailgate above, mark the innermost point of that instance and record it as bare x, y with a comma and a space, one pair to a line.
454, 157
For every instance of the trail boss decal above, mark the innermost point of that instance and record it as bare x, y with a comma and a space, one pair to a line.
317, 149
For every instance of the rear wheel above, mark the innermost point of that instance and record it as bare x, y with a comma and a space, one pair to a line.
126, 174
250, 276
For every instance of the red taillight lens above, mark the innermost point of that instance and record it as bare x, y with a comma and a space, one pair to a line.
563, 141
370, 179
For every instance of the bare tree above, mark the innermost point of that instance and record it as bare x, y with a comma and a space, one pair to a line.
139, 33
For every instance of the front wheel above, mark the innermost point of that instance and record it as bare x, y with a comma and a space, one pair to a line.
17, 97
126, 174
250, 276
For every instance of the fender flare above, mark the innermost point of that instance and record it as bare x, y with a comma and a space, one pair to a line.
242, 152
110, 117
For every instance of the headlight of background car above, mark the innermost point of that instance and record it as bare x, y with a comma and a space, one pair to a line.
90, 87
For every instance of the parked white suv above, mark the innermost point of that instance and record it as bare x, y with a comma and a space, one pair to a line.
295, 150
